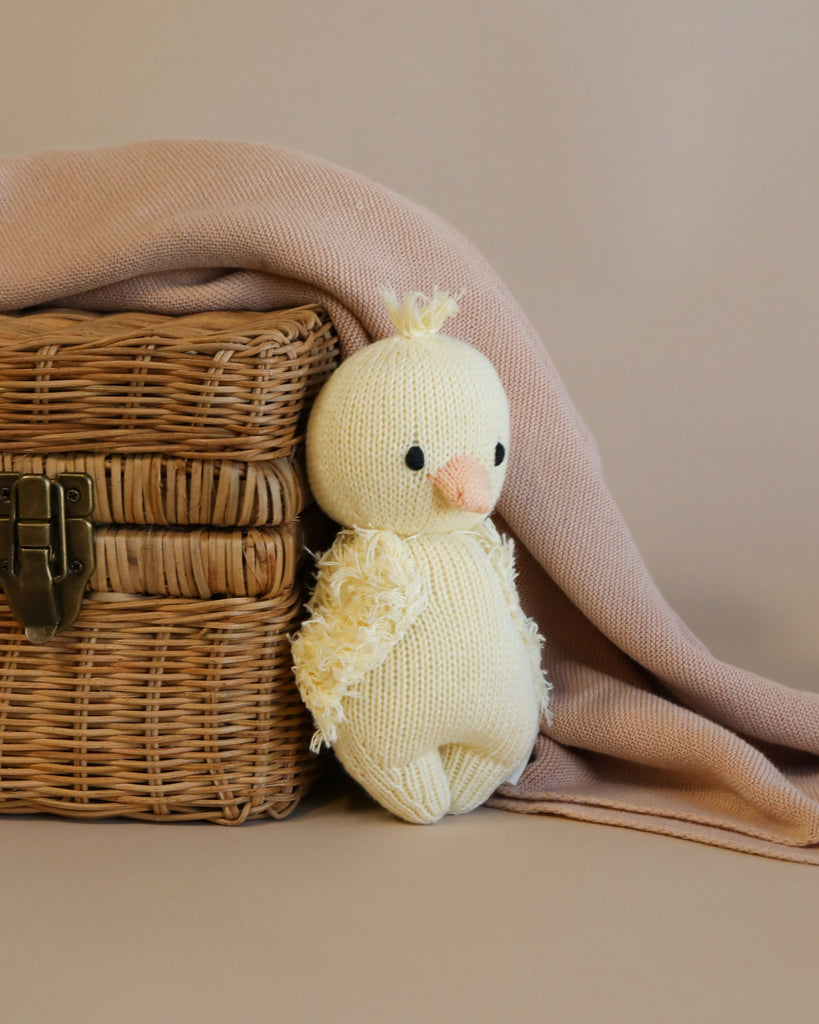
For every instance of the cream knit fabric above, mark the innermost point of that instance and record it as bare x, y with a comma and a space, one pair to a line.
417, 662
650, 730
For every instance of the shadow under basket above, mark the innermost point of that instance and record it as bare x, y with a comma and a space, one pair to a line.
171, 697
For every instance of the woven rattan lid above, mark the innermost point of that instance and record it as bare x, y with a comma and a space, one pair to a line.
217, 385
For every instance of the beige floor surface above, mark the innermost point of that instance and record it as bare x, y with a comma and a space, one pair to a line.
342, 913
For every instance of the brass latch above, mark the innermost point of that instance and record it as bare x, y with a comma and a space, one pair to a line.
46, 548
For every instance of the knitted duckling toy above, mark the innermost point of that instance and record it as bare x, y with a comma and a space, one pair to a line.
416, 661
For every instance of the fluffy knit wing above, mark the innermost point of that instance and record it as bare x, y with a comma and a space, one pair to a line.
501, 553
369, 591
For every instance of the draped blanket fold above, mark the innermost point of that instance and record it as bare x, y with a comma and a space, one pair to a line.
650, 731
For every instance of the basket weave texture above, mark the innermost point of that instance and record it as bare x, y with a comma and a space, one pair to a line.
156, 709
172, 696
203, 386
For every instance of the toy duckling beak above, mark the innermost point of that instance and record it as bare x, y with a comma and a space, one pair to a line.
464, 482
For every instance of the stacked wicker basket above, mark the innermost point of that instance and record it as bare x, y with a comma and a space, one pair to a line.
171, 696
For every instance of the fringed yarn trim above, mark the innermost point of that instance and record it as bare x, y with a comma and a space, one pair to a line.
369, 593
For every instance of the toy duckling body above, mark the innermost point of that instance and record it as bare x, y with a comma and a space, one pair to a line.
417, 662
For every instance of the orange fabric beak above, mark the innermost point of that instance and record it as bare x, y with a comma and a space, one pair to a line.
464, 482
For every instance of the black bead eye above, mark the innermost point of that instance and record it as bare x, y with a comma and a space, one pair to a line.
500, 453
415, 458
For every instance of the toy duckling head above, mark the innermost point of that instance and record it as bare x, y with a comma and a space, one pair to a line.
411, 433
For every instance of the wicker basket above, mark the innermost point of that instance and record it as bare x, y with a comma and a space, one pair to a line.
171, 697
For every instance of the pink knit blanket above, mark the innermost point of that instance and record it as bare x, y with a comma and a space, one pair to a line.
650, 731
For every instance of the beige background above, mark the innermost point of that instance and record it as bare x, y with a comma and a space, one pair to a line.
644, 177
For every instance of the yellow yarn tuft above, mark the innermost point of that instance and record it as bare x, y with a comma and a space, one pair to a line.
417, 315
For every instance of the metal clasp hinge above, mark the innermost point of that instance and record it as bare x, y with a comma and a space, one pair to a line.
46, 548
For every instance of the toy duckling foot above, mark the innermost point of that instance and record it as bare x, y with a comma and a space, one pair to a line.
454, 780
418, 792
473, 777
